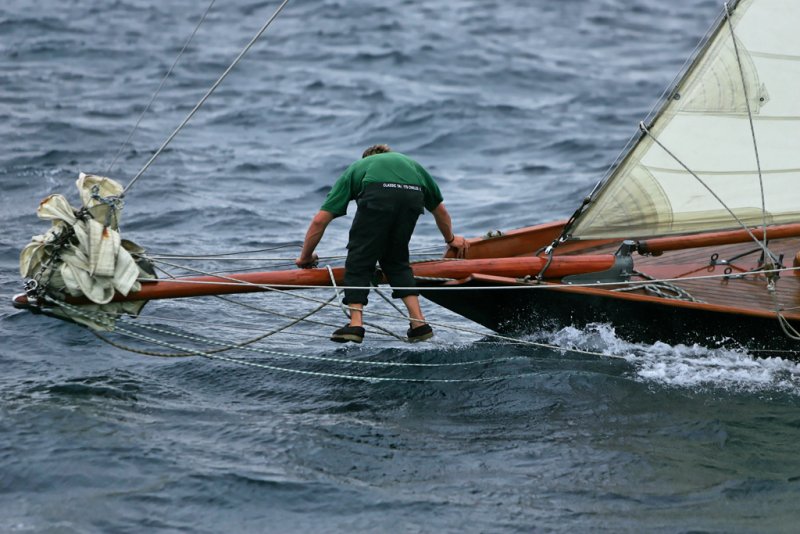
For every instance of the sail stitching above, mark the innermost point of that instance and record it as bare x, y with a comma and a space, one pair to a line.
723, 173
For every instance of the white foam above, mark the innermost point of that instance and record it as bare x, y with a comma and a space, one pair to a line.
686, 366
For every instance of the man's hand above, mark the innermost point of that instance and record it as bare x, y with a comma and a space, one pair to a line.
445, 224
307, 262
307, 258
460, 244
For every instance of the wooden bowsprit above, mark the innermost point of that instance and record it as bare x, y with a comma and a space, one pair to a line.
197, 286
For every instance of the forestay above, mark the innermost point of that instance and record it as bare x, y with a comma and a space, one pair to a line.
705, 124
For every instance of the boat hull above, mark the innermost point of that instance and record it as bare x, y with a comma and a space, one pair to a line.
737, 311
525, 310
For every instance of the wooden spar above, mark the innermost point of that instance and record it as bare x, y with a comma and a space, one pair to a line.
296, 278
263, 281
662, 244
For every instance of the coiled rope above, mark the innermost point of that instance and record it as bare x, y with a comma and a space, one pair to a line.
659, 288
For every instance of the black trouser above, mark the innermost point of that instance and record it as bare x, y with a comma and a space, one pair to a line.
382, 228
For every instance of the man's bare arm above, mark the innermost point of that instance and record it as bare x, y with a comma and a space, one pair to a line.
445, 224
313, 236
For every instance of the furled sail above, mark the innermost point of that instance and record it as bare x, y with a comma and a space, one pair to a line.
705, 125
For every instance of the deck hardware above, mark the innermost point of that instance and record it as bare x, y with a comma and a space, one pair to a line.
621, 271
714, 260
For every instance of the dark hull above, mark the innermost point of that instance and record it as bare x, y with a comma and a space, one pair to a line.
519, 311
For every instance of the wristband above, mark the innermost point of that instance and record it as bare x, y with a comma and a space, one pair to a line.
451, 240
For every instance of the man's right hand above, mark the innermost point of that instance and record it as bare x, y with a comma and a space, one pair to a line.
307, 263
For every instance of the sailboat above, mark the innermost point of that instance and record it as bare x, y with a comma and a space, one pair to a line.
692, 237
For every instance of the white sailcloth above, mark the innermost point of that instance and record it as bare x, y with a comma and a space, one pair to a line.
96, 264
706, 127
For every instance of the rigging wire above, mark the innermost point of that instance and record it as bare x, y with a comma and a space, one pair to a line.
213, 355
225, 254
372, 379
227, 347
750, 119
205, 97
633, 140
377, 363
278, 314
762, 246
160, 86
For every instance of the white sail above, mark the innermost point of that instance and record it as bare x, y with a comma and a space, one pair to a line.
706, 127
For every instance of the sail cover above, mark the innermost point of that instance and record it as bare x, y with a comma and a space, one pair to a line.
705, 124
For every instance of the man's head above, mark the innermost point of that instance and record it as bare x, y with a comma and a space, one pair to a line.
376, 149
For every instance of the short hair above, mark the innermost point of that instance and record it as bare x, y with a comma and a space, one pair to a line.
376, 149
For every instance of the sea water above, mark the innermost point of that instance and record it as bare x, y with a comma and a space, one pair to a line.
517, 108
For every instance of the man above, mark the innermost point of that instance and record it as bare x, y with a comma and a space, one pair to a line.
391, 190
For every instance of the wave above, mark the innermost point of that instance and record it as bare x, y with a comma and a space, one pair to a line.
692, 367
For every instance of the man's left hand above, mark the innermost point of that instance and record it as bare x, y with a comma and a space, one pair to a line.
307, 263
460, 244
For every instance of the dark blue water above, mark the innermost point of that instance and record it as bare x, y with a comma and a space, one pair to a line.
517, 108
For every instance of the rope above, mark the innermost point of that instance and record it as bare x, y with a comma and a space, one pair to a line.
346, 309
207, 95
213, 356
657, 287
221, 257
236, 327
227, 347
319, 373
787, 328
201, 339
397, 308
460, 329
239, 282
658, 291
160, 86
337, 295
379, 329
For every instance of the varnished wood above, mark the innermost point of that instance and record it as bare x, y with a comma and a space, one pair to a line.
262, 281
664, 244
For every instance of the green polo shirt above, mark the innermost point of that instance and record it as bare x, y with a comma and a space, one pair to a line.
389, 167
